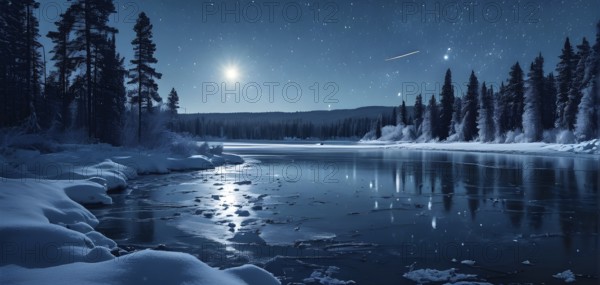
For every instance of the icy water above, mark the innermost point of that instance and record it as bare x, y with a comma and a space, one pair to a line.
370, 214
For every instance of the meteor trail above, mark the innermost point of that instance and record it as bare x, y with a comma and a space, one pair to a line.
401, 56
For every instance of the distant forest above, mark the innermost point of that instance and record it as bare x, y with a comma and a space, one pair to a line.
322, 125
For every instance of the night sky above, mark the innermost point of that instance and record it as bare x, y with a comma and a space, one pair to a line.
344, 43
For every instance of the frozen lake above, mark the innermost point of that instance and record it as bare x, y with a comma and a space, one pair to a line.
373, 213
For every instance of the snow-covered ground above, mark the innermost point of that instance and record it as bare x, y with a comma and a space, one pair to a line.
588, 147
48, 237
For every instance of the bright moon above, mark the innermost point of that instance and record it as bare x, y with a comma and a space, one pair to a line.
446, 57
231, 73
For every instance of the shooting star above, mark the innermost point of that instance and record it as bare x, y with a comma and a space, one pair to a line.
404, 55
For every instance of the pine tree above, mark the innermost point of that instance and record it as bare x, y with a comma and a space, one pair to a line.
588, 116
456, 124
418, 112
575, 92
378, 128
20, 64
431, 121
565, 71
90, 27
515, 90
447, 101
502, 111
532, 116
549, 102
173, 102
394, 117
65, 62
485, 123
143, 74
111, 94
403, 114
469, 109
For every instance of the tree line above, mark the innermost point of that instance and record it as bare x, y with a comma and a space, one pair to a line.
532, 107
347, 128
87, 90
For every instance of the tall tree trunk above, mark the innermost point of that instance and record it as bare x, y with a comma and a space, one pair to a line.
140, 93
88, 63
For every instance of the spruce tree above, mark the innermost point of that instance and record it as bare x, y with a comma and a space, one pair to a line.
432, 109
20, 64
485, 123
588, 116
515, 90
469, 109
65, 62
143, 74
549, 102
456, 124
418, 112
90, 27
565, 71
403, 114
111, 94
173, 102
575, 92
447, 102
502, 111
532, 116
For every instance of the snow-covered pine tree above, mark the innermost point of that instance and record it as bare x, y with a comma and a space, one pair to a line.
588, 117
469, 109
447, 102
564, 69
575, 92
532, 116
456, 124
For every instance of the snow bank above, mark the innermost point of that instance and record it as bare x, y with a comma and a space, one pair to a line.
47, 237
142, 267
589, 147
115, 165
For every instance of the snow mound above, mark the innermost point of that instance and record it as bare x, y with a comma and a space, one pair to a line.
47, 237
427, 275
143, 267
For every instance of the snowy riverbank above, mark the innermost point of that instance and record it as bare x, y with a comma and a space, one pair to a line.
47, 236
589, 147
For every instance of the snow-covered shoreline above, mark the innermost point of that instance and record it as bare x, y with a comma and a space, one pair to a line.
46, 235
591, 147
585, 148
